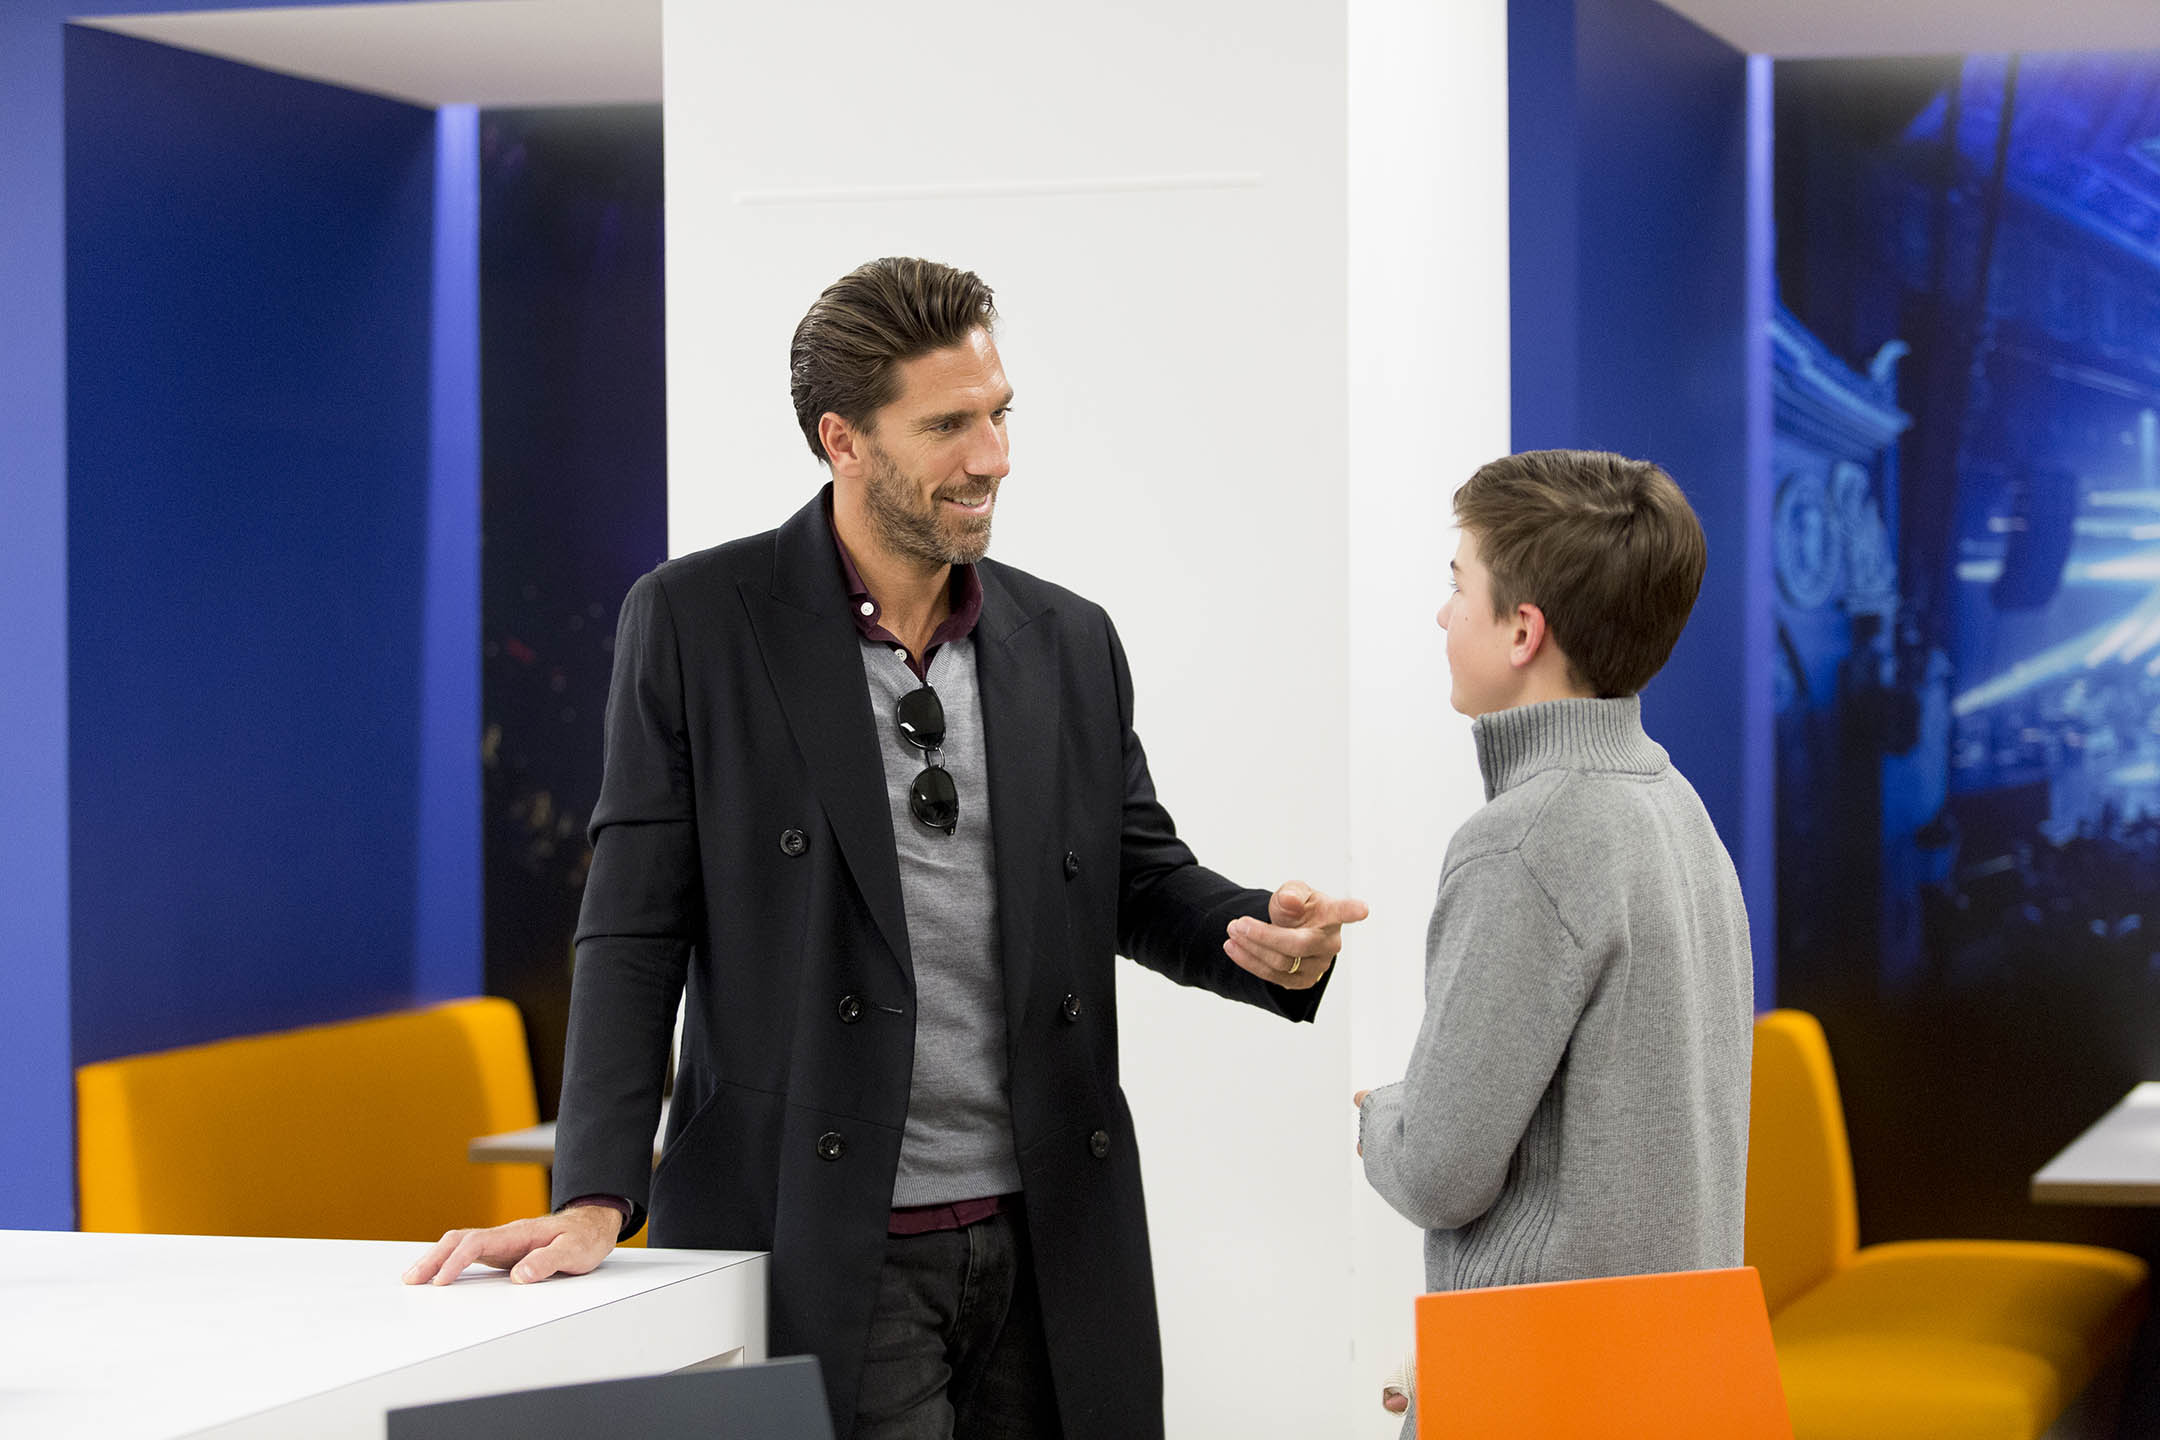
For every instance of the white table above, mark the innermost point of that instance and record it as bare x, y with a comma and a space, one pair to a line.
2115, 1162
535, 1144
154, 1336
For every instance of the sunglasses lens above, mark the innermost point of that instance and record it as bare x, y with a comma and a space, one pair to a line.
922, 718
935, 800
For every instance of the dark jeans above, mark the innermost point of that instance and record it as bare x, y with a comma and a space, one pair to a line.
956, 1343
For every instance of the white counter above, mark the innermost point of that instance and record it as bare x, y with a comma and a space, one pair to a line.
128, 1336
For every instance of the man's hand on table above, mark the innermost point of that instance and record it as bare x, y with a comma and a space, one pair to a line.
569, 1242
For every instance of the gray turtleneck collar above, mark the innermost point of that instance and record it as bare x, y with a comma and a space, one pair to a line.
1515, 744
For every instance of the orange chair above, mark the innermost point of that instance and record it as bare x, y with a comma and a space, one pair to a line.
355, 1130
1639, 1357
1920, 1339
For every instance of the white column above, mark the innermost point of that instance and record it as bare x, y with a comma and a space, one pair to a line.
1428, 405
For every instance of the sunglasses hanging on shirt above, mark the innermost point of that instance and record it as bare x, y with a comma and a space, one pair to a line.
933, 799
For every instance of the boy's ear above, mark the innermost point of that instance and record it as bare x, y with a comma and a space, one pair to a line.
1530, 635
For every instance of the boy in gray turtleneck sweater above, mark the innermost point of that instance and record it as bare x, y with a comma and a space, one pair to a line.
1577, 1104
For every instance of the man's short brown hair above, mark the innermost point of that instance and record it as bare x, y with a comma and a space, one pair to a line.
849, 346
1608, 548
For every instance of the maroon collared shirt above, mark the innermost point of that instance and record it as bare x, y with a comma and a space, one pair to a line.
967, 602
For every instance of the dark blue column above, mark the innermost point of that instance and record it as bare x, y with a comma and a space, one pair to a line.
1632, 283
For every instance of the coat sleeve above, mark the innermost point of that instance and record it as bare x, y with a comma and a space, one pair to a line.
642, 913
1504, 985
1173, 912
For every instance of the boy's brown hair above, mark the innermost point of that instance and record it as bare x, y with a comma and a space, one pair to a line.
1608, 548
847, 348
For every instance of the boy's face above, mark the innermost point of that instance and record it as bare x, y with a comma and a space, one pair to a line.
1480, 648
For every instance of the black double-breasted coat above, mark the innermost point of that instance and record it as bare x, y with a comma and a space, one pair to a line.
743, 847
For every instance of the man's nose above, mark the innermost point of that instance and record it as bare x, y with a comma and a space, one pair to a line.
990, 455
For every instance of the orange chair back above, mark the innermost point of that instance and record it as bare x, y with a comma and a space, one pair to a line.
349, 1131
1802, 1223
1638, 1357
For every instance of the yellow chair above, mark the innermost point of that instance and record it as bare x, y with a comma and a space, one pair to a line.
1913, 1340
354, 1130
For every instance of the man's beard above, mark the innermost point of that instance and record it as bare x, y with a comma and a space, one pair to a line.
932, 536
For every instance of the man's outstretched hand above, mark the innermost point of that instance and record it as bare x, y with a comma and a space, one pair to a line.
570, 1242
1301, 939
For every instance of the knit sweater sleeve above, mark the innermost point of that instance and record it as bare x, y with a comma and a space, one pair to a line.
1504, 984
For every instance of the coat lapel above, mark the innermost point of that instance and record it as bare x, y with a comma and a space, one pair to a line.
814, 656
1016, 666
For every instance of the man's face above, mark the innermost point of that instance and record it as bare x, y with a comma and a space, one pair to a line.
1483, 677
936, 453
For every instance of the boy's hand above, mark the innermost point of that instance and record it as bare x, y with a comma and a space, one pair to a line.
1301, 940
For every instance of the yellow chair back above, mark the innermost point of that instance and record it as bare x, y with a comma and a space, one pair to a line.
1802, 1224
354, 1130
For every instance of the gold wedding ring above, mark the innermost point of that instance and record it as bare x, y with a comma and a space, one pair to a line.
1295, 962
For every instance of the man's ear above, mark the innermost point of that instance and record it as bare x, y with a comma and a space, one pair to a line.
844, 449
1530, 635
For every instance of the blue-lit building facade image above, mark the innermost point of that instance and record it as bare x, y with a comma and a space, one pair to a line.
1966, 536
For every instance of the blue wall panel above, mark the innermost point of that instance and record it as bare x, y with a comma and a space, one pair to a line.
248, 275
37, 1122
1631, 285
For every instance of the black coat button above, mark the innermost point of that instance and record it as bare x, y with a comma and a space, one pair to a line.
1072, 864
1070, 1009
1098, 1144
850, 1009
831, 1147
793, 842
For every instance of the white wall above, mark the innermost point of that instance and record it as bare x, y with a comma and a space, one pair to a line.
1169, 198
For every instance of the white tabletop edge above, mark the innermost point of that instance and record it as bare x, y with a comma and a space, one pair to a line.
734, 1259
2113, 1161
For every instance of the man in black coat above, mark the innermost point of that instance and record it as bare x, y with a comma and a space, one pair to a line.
895, 905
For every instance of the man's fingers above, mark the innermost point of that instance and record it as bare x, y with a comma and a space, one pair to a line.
460, 1258
1274, 968
549, 1259
1328, 910
1290, 902
1287, 941
529, 1249
501, 1247
1394, 1401
1299, 904
423, 1269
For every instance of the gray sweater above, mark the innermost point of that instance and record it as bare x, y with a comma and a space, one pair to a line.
1577, 1104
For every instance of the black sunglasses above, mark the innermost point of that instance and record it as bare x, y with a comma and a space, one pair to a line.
933, 798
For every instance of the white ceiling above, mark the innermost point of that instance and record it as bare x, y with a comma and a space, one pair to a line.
437, 52
1800, 28
590, 52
